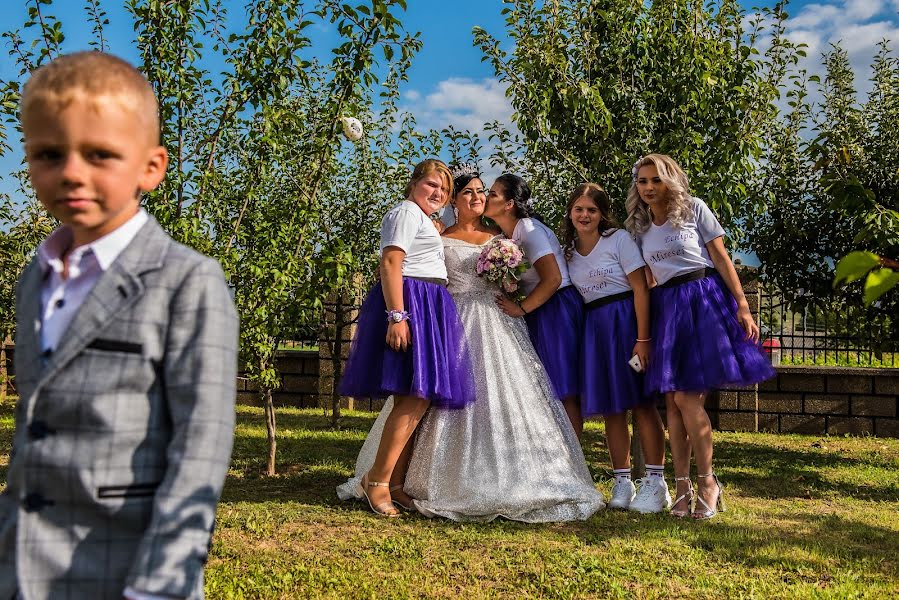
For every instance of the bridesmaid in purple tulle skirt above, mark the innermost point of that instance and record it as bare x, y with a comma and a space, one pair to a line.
703, 334
409, 340
606, 267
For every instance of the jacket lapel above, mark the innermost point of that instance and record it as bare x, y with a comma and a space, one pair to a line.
117, 289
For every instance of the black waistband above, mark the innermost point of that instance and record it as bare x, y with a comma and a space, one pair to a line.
608, 299
434, 280
691, 276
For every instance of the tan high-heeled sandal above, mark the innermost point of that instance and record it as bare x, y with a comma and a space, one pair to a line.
385, 509
707, 512
399, 486
688, 496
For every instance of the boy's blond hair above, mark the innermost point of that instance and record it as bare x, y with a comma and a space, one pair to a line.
93, 74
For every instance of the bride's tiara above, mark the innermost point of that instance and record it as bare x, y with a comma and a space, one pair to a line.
464, 170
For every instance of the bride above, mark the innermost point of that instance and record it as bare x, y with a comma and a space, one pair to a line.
512, 453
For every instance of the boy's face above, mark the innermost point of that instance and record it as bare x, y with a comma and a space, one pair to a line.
90, 161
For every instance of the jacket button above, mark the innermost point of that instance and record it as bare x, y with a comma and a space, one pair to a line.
38, 430
34, 502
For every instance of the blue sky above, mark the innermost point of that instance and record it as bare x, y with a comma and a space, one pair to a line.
448, 82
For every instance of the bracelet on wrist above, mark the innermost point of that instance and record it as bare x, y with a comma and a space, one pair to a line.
397, 316
644, 339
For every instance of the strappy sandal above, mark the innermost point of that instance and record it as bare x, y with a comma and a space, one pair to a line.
410, 507
385, 509
688, 496
707, 512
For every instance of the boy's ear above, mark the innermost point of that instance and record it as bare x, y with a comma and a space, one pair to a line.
157, 161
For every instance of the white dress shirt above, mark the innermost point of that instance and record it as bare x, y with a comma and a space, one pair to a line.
61, 297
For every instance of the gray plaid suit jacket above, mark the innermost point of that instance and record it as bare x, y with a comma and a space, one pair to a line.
123, 434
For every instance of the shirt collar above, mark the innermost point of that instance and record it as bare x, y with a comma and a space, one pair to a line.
105, 250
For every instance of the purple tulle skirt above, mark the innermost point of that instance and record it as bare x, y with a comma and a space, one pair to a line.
609, 385
556, 329
436, 367
698, 344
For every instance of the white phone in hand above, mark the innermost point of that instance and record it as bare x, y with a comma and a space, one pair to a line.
635, 363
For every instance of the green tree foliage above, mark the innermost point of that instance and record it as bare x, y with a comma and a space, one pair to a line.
597, 84
254, 146
831, 189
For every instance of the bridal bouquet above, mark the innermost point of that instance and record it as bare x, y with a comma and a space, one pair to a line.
502, 262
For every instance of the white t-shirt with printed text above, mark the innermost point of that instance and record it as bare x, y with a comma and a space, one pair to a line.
537, 240
670, 252
407, 227
603, 272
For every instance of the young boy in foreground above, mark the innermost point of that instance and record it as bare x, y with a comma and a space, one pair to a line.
126, 354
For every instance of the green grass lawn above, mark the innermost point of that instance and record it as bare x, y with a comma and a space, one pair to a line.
807, 517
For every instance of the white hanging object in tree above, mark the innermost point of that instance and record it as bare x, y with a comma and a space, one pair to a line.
352, 128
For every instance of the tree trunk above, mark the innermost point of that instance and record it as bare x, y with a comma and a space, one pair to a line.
3, 372
336, 359
270, 428
638, 461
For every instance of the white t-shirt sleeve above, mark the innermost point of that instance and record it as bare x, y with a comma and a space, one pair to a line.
629, 254
399, 228
707, 225
534, 241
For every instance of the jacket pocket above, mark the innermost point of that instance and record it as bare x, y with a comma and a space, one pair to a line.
135, 490
116, 346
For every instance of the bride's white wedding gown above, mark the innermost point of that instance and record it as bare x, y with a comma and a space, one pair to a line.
512, 453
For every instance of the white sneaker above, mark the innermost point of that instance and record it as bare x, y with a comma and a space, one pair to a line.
622, 494
652, 497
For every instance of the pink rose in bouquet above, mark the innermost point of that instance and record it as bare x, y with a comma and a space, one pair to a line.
503, 262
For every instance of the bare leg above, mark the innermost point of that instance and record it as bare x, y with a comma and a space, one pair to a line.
680, 450
398, 477
652, 434
572, 406
619, 440
398, 429
696, 422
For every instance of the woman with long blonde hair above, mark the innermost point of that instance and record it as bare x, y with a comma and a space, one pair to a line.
703, 334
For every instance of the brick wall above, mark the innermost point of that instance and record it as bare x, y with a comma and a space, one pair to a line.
816, 400
299, 381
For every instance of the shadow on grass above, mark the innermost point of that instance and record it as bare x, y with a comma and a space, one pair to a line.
819, 540
766, 472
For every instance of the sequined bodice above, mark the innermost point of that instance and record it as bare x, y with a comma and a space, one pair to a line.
461, 260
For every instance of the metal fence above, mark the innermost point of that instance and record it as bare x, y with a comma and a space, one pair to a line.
798, 336
308, 335
812, 335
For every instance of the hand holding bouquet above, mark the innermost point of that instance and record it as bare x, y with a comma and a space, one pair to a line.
502, 262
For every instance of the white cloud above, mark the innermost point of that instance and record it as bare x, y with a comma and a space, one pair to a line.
863, 39
464, 104
815, 15
858, 26
863, 9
